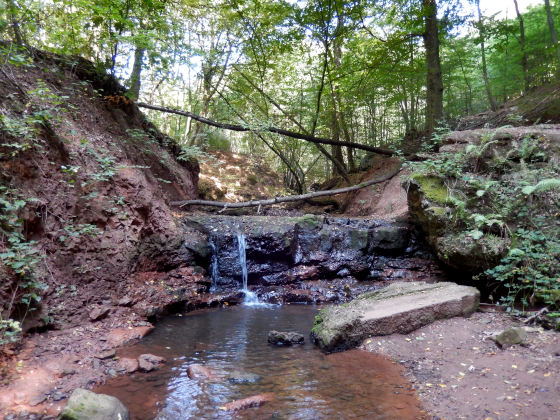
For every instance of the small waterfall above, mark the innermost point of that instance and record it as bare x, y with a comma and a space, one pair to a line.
214, 274
250, 297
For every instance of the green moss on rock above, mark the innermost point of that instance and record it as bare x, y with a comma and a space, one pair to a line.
433, 188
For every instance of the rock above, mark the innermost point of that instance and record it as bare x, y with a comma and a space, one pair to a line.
106, 354
149, 362
98, 313
128, 365
200, 372
239, 377
510, 337
253, 401
126, 301
37, 399
390, 238
87, 405
462, 252
285, 338
120, 336
58, 395
398, 308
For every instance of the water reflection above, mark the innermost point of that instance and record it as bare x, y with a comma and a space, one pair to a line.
306, 384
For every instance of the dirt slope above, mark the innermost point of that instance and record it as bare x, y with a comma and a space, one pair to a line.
93, 177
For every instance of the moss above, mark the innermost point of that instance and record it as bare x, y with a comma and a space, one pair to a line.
309, 221
358, 239
437, 211
433, 188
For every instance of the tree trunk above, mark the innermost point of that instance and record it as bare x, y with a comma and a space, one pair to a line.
12, 11
553, 34
434, 83
134, 81
287, 199
491, 99
523, 48
288, 133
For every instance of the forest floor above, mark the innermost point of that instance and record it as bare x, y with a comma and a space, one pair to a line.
459, 372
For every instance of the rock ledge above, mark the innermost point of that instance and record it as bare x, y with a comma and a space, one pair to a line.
398, 308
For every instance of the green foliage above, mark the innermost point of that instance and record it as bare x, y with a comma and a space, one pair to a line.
542, 186
20, 258
10, 331
530, 272
517, 200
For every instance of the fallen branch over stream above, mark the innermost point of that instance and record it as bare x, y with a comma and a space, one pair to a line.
290, 198
287, 133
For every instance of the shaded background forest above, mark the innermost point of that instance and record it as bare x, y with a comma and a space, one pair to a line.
354, 71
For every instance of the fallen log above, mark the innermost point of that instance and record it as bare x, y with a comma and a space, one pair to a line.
287, 133
286, 199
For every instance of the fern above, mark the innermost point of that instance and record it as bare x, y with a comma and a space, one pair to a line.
542, 186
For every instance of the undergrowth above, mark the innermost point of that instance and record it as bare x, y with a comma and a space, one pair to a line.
511, 192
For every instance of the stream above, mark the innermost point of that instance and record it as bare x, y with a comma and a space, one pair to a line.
304, 382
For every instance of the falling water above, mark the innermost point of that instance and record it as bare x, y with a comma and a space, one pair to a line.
213, 265
250, 297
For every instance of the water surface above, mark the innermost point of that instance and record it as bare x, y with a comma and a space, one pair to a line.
306, 383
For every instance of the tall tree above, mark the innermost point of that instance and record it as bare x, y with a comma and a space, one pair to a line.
434, 82
482, 41
523, 44
553, 34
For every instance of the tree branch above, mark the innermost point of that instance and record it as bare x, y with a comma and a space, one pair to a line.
287, 133
286, 199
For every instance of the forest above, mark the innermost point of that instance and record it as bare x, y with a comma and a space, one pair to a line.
279, 209
376, 73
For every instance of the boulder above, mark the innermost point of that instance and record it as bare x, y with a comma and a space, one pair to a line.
510, 337
149, 362
399, 308
87, 405
285, 338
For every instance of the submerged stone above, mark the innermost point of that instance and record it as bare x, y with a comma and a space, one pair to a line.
285, 338
250, 402
87, 405
399, 308
240, 377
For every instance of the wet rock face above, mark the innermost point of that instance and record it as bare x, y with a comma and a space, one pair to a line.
290, 250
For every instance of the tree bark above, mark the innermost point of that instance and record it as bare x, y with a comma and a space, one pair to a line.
553, 34
287, 199
523, 47
491, 99
135, 77
434, 83
12, 11
287, 133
